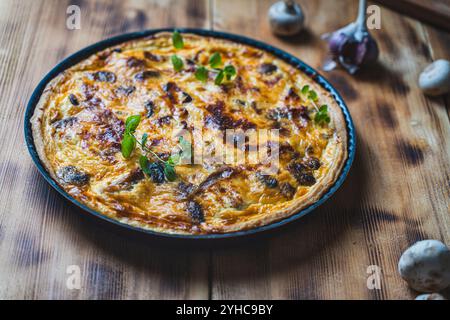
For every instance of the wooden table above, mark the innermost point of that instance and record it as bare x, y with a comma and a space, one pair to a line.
397, 192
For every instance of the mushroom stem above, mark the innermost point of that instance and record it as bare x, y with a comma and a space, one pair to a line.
289, 3
290, 6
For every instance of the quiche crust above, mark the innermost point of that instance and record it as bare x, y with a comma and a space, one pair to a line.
79, 121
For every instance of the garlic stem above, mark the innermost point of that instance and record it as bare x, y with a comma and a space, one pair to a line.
360, 21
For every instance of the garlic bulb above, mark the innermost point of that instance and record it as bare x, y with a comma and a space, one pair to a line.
351, 46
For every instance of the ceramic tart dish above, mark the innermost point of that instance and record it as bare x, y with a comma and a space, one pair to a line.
76, 121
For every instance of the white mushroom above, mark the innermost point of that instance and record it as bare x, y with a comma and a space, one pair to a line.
430, 296
435, 78
286, 18
426, 266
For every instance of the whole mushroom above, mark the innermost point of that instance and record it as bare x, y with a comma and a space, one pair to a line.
435, 78
286, 18
430, 296
426, 266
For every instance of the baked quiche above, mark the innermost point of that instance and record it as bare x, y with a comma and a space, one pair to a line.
137, 132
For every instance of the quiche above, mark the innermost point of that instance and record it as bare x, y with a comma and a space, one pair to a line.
119, 132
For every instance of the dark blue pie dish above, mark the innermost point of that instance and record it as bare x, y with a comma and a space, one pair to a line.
88, 51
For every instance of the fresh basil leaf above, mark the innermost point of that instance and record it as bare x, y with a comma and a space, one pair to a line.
201, 74
128, 144
215, 60
131, 123
318, 118
312, 95
144, 139
229, 71
177, 62
305, 89
174, 159
322, 115
169, 172
323, 108
143, 163
177, 40
219, 77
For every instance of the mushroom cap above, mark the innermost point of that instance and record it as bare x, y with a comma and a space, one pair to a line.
435, 78
284, 20
430, 296
426, 266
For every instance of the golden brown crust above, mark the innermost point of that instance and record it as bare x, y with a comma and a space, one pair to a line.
86, 137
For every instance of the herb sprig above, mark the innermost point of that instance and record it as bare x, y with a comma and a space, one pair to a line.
215, 61
129, 142
201, 72
321, 116
228, 72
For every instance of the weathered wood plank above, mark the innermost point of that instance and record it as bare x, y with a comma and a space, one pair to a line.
397, 192
434, 12
40, 233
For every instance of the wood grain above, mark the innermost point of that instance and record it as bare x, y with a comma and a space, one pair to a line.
393, 196
41, 234
397, 191
434, 12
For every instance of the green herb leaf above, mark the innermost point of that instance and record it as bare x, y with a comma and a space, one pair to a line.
312, 95
219, 77
322, 116
174, 159
305, 89
144, 139
143, 163
131, 123
201, 74
215, 60
169, 172
230, 71
177, 40
177, 63
128, 144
